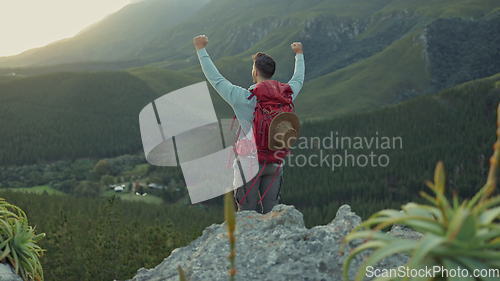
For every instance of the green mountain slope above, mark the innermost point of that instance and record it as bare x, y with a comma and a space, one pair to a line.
163, 81
70, 115
360, 55
378, 80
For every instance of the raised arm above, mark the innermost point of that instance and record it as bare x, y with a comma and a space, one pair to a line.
297, 80
232, 94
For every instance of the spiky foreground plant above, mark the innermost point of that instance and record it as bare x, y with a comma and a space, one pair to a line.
455, 234
18, 244
182, 275
229, 214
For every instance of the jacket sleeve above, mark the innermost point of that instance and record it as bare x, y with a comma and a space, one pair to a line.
297, 80
232, 94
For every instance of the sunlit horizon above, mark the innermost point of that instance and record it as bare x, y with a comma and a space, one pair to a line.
28, 24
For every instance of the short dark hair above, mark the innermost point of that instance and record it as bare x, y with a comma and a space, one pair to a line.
264, 64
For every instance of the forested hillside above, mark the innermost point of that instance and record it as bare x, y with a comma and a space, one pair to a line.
461, 50
70, 115
99, 239
456, 126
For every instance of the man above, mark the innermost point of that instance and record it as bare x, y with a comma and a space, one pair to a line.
262, 192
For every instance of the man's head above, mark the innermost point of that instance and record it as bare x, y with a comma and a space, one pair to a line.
263, 67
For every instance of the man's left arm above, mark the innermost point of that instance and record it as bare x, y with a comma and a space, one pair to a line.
297, 80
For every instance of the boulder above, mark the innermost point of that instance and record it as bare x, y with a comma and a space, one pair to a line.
272, 247
7, 273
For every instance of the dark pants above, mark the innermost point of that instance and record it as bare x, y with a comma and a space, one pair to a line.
266, 186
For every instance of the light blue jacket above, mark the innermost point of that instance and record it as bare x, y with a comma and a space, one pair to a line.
236, 96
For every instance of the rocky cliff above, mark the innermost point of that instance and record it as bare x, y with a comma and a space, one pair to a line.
8, 274
275, 246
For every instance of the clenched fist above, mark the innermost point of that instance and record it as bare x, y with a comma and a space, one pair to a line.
200, 42
297, 47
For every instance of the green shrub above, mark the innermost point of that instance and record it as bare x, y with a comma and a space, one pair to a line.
465, 234
18, 244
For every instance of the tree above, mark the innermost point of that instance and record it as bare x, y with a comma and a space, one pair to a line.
88, 189
102, 167
107, 180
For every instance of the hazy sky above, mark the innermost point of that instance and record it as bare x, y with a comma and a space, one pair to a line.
25, 24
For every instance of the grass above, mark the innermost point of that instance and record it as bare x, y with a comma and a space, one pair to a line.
163, 81
40, 189
369, 83
456, 8
138, 171
150, 199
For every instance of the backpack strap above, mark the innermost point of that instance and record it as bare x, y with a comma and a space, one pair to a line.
231, 155
254, 181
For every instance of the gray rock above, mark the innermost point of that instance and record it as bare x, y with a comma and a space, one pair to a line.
275, 247
8, 274
404, 232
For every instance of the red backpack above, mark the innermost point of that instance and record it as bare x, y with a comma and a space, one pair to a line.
273, 97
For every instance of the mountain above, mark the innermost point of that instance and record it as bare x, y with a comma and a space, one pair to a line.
360, 54
118, 37
445, 53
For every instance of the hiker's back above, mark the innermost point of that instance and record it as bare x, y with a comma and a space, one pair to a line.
273, 98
